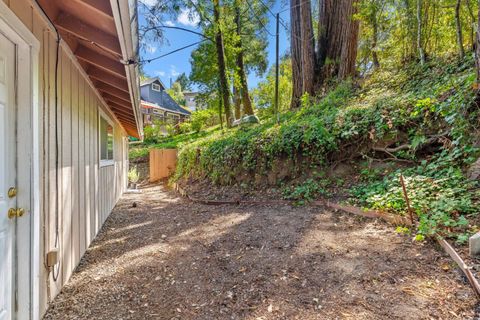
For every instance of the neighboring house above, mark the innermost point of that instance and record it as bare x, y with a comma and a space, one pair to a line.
66, 110
158, 105
191, 100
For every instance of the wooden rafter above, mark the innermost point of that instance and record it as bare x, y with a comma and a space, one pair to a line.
100, 61
115, 106
100, 6
117, 100
78, 28
105, 77
112, 91
116, 109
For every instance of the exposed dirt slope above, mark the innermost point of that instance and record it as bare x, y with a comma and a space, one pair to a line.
169, 258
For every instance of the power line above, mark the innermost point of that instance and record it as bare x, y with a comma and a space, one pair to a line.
172, 52
280, 19
258, 19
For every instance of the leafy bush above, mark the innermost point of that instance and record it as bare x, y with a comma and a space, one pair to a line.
307, 191
133, 175
439, 194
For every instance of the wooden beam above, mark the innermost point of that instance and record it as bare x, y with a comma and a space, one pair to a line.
118, 101
124, 119
86, 32
113, 91
101, 6
124, 112
100, 61
105, 77
121, 106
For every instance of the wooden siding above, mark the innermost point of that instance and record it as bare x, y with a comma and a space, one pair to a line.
86, 196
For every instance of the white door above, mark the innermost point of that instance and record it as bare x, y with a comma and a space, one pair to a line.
7, 177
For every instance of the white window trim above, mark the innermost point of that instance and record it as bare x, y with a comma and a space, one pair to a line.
105, 163
159, 87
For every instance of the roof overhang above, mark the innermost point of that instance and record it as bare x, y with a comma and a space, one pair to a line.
103, 35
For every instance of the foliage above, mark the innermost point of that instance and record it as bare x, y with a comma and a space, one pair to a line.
438, 192
133, 175
176, 92
168, 142
307, 191
263, 94
412, 104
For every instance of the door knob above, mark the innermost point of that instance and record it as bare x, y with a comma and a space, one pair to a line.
12, 192
12, 213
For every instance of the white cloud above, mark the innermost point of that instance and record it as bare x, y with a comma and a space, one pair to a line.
169, 23
188, 17
160, 73
173, 71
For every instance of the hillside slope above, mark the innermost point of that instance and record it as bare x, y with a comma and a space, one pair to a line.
356, 140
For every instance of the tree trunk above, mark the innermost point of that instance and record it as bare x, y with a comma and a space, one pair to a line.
472, 24
458, 24
308, 47
421, 51
247, 103
221, 63
338, 38
477, 52
237, 101
376, 62
296, 52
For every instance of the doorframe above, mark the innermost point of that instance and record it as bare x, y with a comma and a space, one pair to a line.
27, 81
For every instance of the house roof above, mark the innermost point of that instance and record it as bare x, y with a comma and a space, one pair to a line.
102, 34
150, 105
166, 103
152, 80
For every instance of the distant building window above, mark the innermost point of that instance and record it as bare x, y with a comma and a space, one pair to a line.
106, 142
156, 87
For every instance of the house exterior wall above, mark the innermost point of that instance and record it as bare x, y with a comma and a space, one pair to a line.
85, 192
145, 91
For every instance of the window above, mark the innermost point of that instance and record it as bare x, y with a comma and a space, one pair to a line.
106, 142
156, 87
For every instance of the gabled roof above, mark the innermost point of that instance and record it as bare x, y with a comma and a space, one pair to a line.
167, 103
152, 80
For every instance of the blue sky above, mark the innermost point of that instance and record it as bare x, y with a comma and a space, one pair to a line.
173, 65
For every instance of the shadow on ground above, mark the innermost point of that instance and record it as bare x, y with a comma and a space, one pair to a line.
168, 258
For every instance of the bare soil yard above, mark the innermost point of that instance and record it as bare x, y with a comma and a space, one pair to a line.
169, 258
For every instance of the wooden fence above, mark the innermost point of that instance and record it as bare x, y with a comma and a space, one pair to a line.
162, 163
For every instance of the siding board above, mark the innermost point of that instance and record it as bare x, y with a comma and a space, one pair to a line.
86, 192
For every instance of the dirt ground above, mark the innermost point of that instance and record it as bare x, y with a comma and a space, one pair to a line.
168, 258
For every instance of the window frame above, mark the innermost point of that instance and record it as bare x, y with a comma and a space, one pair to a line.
159, 87
105, 162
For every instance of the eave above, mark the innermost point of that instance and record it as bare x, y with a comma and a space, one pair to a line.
102, 34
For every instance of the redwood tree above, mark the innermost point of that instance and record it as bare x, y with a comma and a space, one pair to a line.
336, 44
222, 69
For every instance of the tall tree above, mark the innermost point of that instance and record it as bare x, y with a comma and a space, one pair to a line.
247, 103
222, 68
336, 44
296, 52
420, 48
458, 25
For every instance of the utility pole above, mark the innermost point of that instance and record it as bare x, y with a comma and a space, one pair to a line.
277, 69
